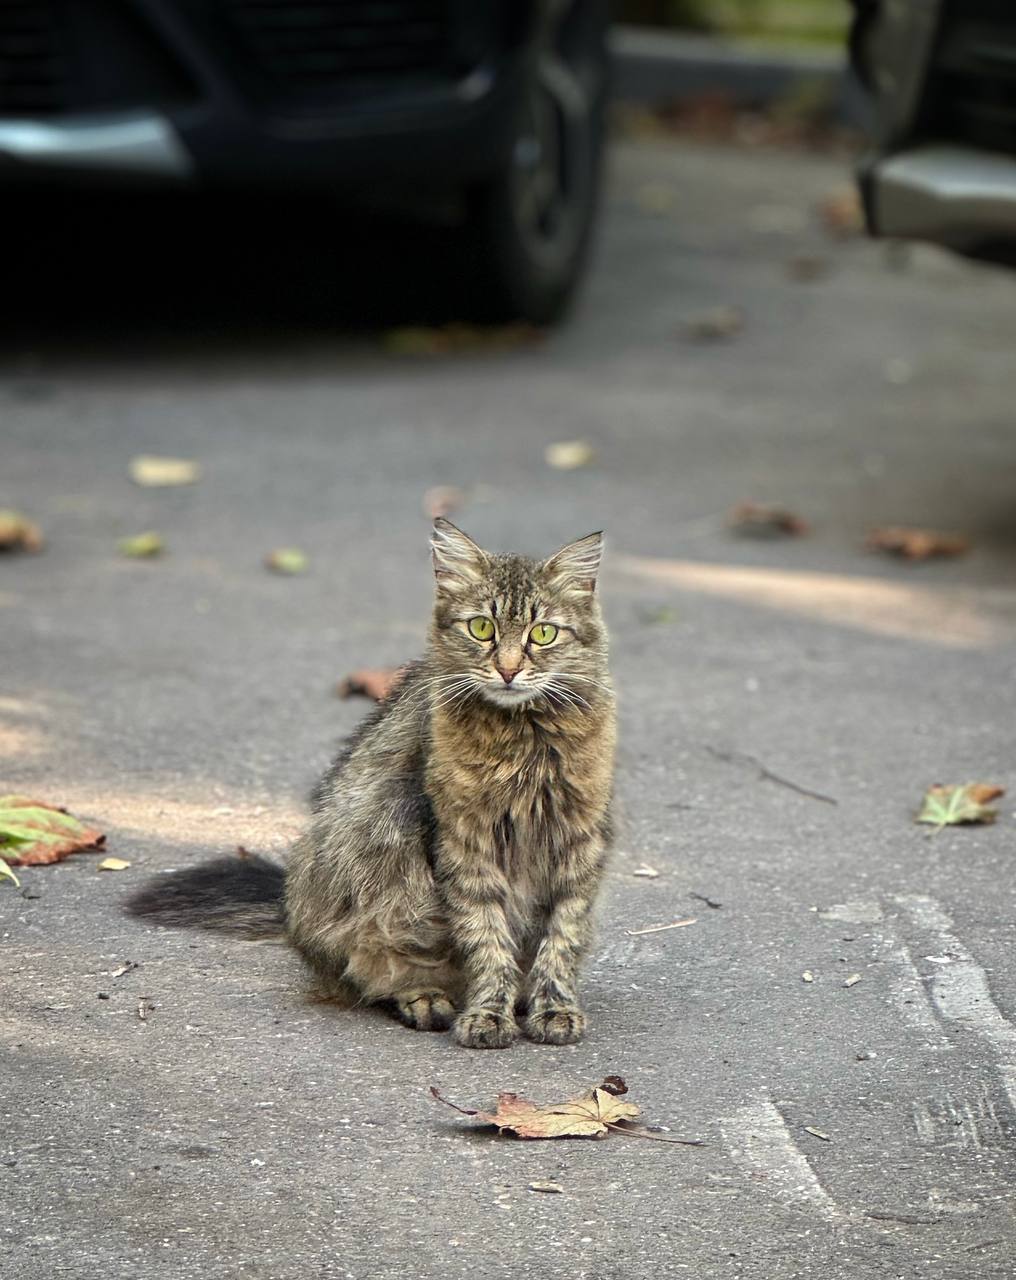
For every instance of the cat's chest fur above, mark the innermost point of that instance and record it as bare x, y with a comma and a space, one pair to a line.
518, 789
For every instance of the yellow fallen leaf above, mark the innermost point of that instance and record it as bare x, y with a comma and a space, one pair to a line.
113, 864
153, 472
567, 455
142, 546
17, 533
289, 560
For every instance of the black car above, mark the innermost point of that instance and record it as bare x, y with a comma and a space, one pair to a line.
493, 111
942, 78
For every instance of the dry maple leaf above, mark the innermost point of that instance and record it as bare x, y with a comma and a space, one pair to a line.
590, 1116
842, 212
952, 806
370, 682
758, 520
18, 533
916, 544
33, 833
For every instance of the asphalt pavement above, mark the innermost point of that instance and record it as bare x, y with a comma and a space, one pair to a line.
784, 704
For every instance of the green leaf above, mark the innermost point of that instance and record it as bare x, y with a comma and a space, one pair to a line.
32, 832
951, 806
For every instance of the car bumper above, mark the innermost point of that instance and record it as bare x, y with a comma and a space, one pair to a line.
217, 93
953, 195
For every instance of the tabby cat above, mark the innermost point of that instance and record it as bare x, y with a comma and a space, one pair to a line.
458, 841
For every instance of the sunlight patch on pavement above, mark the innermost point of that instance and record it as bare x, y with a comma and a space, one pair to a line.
949, 617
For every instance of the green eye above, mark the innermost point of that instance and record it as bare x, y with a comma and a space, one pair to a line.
543, 633
481, 628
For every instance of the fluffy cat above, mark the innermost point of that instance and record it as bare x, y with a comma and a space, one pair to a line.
458, 841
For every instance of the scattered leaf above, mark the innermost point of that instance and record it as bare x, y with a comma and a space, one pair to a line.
449, 339
126, 967
759, 520
18, 533
568, 455
817, 1133
660, 928
369, 682
442, 500
951, 806
287, 560
842, 213
715, 324
806, 267
646, 871
6, 873
807, 976
589, 1116
142, 546
853, 980
153, 472
33, 833
592, 1115
916, 544
113, 864
550, 1188
145, 1007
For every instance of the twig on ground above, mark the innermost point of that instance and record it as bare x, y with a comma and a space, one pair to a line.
766, 774
659, 928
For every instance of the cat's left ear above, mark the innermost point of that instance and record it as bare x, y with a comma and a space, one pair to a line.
458, 561
574, 568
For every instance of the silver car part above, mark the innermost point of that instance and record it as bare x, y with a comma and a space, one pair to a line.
141, 145
953, 195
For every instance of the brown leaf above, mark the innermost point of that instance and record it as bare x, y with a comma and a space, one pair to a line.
842, 213
806, 267
590, 1116
916, 544
757, 520
370, 682
33, 833
715, 324
17, 533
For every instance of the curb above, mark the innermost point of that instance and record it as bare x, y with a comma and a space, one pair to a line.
653, 67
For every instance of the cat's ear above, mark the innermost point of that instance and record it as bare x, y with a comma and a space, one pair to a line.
573, 569
458, 561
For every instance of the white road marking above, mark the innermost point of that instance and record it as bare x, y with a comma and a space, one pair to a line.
959, 991
760, 1143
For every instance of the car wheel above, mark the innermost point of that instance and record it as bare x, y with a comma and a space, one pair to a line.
529, 226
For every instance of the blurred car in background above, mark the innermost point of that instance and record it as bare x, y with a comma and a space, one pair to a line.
490, 113
942, 77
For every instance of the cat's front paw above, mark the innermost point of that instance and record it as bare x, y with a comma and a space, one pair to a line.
559, 1024
429, 1011
485, 1029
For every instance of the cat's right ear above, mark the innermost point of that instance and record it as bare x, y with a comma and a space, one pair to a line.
458, 561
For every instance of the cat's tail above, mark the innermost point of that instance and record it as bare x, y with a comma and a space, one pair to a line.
241, 896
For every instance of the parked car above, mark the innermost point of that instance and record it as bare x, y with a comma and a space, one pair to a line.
942, 78
494, 109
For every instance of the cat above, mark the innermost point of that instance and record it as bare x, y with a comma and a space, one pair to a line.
458, 841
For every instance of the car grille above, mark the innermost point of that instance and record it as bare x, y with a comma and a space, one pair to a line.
972, 93
33, 59
305, 46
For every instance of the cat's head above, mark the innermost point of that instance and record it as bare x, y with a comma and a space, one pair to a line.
511, 630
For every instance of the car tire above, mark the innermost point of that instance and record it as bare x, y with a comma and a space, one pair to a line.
529, 226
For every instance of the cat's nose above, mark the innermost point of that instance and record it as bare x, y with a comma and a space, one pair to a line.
507, 674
